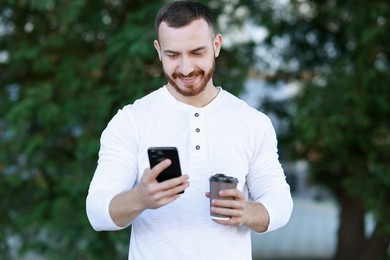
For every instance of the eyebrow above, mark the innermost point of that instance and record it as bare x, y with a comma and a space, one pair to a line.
192, 51
198, 49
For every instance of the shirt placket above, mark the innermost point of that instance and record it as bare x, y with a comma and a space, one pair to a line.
198, 139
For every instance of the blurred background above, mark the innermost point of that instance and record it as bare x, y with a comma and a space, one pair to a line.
319, 68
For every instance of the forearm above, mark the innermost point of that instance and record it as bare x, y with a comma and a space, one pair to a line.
256, 217
125, 207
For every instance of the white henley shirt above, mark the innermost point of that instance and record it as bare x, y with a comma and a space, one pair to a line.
226, 136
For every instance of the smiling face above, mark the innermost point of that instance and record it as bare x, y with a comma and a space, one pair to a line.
188, 56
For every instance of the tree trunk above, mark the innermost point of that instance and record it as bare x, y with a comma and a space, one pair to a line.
378, 245
351, 232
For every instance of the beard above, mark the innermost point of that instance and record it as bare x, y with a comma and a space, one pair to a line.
192, 89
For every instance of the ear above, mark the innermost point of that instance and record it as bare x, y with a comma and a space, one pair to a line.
217, 44
158, 49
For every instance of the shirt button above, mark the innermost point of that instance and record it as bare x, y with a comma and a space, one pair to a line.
197, 130
196, 115
197, 147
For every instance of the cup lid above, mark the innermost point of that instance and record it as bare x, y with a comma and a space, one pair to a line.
220, 177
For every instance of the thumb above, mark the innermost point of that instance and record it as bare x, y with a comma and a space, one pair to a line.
158, 168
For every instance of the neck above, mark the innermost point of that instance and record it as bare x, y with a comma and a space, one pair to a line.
200, 100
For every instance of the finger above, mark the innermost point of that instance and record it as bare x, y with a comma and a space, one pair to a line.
235, 216
158, 168
229, 204
230, 221
177, 182
171, 194
174, 181
207, 194
236, 194
180, 188
164, 200
222, 211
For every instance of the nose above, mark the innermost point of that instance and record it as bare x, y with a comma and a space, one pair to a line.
186, 66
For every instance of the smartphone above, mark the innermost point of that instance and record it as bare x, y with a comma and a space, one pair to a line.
158, 154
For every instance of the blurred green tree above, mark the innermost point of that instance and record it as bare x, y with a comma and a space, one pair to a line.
65, 69
338, 51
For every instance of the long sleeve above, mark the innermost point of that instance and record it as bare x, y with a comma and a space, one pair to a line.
266, 180
116, 170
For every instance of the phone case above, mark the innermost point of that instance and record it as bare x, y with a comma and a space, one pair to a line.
157, 154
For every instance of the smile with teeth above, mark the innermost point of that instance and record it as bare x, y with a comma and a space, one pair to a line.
188, 78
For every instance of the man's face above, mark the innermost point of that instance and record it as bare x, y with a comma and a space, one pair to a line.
188, 56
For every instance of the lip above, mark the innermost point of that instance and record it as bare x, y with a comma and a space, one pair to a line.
188, 80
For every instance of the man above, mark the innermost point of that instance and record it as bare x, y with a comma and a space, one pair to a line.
214, 132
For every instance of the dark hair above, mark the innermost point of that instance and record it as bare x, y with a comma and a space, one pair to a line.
181, 13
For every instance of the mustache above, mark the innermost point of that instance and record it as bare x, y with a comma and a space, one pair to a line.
192, 74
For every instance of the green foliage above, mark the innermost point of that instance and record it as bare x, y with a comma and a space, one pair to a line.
340, 121
67, 67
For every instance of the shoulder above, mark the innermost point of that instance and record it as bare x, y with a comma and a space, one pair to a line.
145, 104
240, 108
141, 106
154, 97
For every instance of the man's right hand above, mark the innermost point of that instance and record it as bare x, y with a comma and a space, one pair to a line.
149, 194
153, 194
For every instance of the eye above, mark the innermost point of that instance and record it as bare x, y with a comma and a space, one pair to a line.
198, 53
171, 54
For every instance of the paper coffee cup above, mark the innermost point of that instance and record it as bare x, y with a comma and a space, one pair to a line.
220, 182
